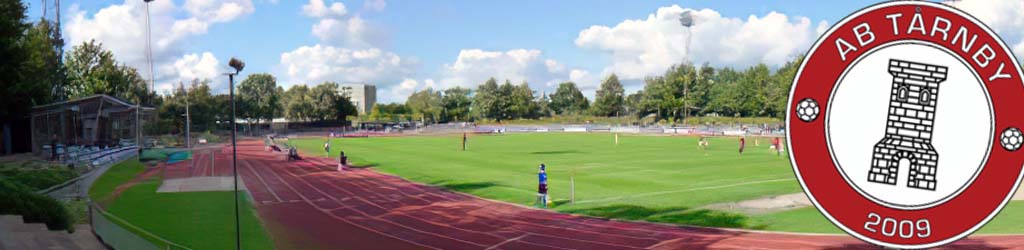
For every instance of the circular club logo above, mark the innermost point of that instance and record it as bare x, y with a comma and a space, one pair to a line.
905, 124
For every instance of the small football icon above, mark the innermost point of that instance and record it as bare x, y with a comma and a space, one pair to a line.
1011, 139
807, 110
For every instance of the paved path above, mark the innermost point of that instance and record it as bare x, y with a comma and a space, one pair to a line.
307, 205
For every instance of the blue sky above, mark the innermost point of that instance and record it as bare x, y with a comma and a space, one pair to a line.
403, 46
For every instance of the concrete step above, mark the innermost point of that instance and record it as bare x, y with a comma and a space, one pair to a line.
15, 234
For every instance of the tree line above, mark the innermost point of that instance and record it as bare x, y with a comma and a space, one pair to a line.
35, 73
684, 90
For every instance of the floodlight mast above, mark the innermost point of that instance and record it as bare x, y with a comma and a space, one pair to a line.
238, 65
686, 20
152, 82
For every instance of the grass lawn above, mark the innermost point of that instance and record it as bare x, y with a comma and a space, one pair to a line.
654, 178
117, 174
199, 220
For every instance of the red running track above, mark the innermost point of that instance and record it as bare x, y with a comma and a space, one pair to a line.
308, 205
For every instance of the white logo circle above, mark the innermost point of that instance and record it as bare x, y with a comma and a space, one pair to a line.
909, 125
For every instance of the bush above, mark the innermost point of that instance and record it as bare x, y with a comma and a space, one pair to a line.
34, 208
38, 179
210, 137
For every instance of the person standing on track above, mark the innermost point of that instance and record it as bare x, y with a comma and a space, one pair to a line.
342, 161
542, 187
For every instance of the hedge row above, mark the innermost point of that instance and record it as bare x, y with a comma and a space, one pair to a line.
38, 179
19, 199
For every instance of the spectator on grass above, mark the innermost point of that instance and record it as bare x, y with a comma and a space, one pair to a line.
743, 143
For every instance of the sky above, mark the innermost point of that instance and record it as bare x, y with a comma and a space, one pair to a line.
405, 46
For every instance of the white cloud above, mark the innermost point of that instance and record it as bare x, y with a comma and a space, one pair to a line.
375, 5
1019, 50
401, 91
121, 28
218, 10
474, 66
643, 47
319, 63
319, 9
1003, 16
352, 32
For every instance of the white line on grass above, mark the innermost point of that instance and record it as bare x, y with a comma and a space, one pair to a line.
680, 191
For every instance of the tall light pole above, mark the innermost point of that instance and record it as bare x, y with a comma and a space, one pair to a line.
686, 20
188, 120
238, 65
152, 83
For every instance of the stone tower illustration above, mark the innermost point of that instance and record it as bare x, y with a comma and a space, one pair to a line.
908, 131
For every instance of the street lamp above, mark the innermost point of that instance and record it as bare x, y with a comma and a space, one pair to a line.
238, 65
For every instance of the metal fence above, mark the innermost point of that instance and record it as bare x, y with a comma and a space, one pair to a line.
78, 187
118, 233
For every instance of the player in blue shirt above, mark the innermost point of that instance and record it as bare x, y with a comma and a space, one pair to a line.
542, 186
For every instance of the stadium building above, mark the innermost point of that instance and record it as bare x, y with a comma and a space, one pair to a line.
364, 96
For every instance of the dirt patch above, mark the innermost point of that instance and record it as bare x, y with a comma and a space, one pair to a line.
765, 205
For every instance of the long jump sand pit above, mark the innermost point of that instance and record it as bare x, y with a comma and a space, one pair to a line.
199, 184
765, 205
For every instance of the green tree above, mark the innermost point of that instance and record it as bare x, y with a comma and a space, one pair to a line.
324, 98
92, 70
608, 101
781, 83
521, 102
754, 87
389, 112
202, 106
503, 106
456, 104
725, 94
298, 105
12, 52
632, 104
425, 105
259, 97
344, 109
485, 100
568, 99
543, 103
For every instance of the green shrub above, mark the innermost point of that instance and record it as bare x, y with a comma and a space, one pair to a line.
34, 208
38, 179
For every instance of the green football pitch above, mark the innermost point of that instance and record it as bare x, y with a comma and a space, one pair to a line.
653, 178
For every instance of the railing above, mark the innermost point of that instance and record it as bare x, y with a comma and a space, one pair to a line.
78, 187
120, 234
